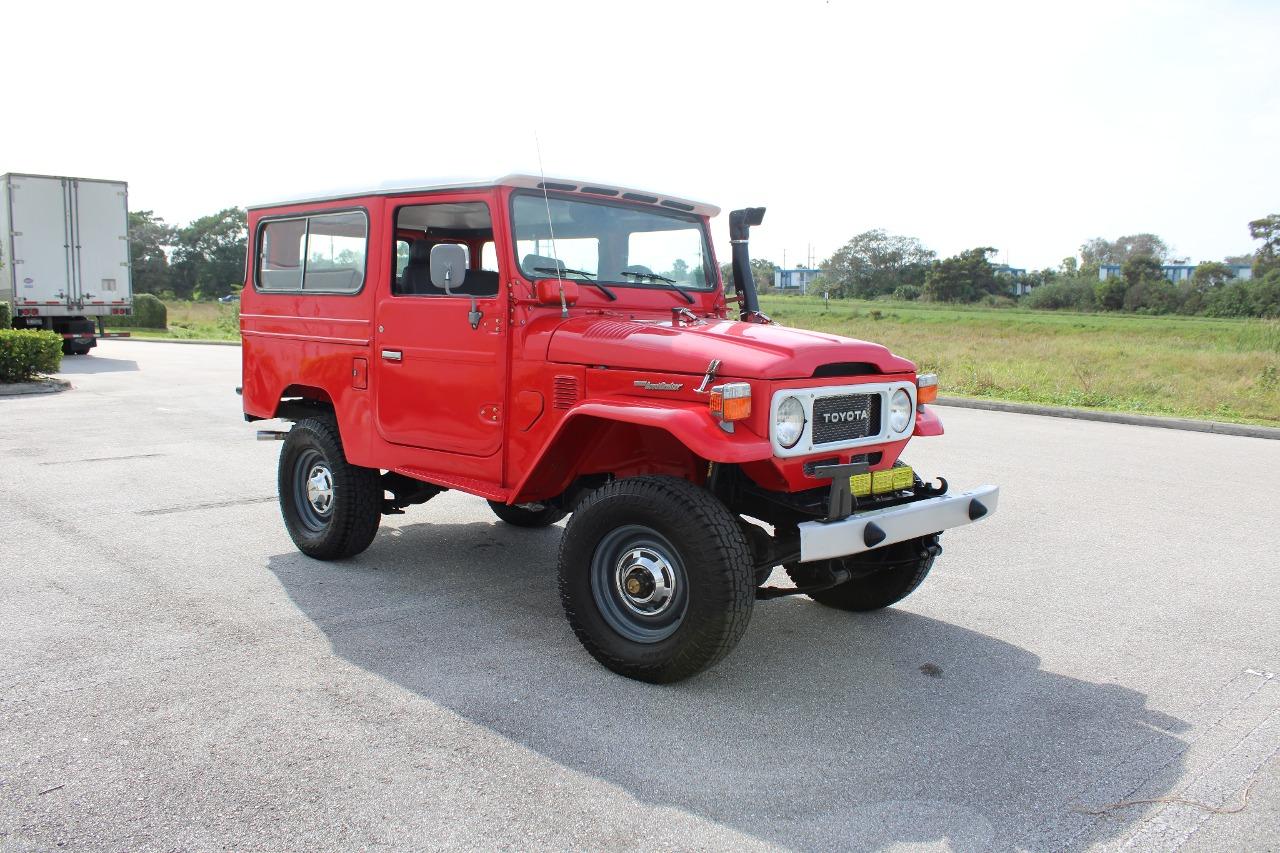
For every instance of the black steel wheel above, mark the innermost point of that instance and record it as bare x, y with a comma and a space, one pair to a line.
656, 578
331, 508
539, 515
880, 578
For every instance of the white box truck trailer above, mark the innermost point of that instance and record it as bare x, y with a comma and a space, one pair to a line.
65, 246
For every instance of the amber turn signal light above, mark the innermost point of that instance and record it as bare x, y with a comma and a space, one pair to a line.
926, 388
731, 402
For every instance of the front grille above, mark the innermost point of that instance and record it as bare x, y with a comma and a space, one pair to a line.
845, 417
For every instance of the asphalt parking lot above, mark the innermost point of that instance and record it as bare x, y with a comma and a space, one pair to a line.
174, 675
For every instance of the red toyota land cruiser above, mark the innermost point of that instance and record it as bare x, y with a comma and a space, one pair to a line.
561, 348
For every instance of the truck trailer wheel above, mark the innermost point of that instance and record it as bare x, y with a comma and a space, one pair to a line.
330, 507
656, 578
880, 577
526, 517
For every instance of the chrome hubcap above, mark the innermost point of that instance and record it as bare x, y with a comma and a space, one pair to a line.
320, 488
645, 581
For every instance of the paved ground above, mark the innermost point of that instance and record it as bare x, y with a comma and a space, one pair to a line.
173, 675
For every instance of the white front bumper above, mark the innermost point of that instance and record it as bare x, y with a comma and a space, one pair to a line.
822, 540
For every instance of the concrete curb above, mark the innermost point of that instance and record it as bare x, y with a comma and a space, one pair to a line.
176, 341
1216, 427
38, 386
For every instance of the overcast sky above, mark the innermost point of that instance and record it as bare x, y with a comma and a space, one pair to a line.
1022, 126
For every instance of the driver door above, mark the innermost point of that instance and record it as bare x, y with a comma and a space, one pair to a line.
441, 368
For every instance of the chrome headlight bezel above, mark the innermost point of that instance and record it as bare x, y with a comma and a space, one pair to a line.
790, 414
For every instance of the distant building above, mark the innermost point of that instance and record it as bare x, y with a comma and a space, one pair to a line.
796, 279
1019, 286
1177, 272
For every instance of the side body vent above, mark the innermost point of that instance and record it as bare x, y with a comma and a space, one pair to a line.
565, 392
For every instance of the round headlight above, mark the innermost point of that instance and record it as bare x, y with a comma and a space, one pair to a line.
788, 424
899, 411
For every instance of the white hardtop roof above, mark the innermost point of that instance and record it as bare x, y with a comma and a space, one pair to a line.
587, 188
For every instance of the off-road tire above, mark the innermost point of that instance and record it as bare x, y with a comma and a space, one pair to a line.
352, 519
522, 517
68, 349
895, 571
719, 583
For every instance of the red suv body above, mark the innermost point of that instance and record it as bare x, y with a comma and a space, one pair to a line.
563, 348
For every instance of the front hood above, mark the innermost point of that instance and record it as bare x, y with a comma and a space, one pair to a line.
747, 350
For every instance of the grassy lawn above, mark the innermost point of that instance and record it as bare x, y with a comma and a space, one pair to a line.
204, 321
1197, 367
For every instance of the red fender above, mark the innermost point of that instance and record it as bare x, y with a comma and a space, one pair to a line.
927, 422
688, 423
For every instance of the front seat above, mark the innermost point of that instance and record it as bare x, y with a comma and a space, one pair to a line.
416, 280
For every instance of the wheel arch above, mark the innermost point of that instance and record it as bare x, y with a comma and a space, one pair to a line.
622, 440
302, 401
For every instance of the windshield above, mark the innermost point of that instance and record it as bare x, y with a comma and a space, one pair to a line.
623, 246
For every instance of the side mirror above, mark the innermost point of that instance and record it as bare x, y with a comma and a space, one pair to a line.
448, 266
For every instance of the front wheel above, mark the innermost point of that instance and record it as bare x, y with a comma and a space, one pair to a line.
656, 578
331, 508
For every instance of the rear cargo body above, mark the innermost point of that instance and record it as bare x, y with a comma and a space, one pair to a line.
65, 243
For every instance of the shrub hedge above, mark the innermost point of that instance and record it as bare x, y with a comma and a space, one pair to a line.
149, 312
6, 318
27, 353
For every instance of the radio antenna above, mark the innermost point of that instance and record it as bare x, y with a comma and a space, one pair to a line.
564, 306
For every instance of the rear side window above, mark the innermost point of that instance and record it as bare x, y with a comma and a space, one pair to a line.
323, 253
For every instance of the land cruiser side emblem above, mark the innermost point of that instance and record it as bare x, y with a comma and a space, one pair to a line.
658, 386
841, 417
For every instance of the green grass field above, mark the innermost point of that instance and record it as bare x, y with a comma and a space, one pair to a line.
1196, 367
205, 321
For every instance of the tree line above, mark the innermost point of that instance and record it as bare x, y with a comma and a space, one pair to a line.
201, 260
878, 265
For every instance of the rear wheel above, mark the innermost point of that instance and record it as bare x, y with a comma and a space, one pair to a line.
530, 515
331, 508
656, 578
880, 578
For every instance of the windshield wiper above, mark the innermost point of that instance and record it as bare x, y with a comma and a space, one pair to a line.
589, 276
669, 282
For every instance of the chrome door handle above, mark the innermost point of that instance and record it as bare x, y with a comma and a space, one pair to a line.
392, 354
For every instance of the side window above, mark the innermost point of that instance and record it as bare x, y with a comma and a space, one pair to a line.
280, 251
335, 253
489, 257
324, 253
464, 223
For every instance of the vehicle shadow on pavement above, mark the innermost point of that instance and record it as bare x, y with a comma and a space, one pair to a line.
80, 365
823, 729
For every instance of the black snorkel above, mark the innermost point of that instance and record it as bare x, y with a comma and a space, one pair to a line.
740, 222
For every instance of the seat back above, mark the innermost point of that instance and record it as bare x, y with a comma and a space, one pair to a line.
417, 273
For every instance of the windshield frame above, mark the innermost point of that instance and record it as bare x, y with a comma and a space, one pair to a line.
711, 276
